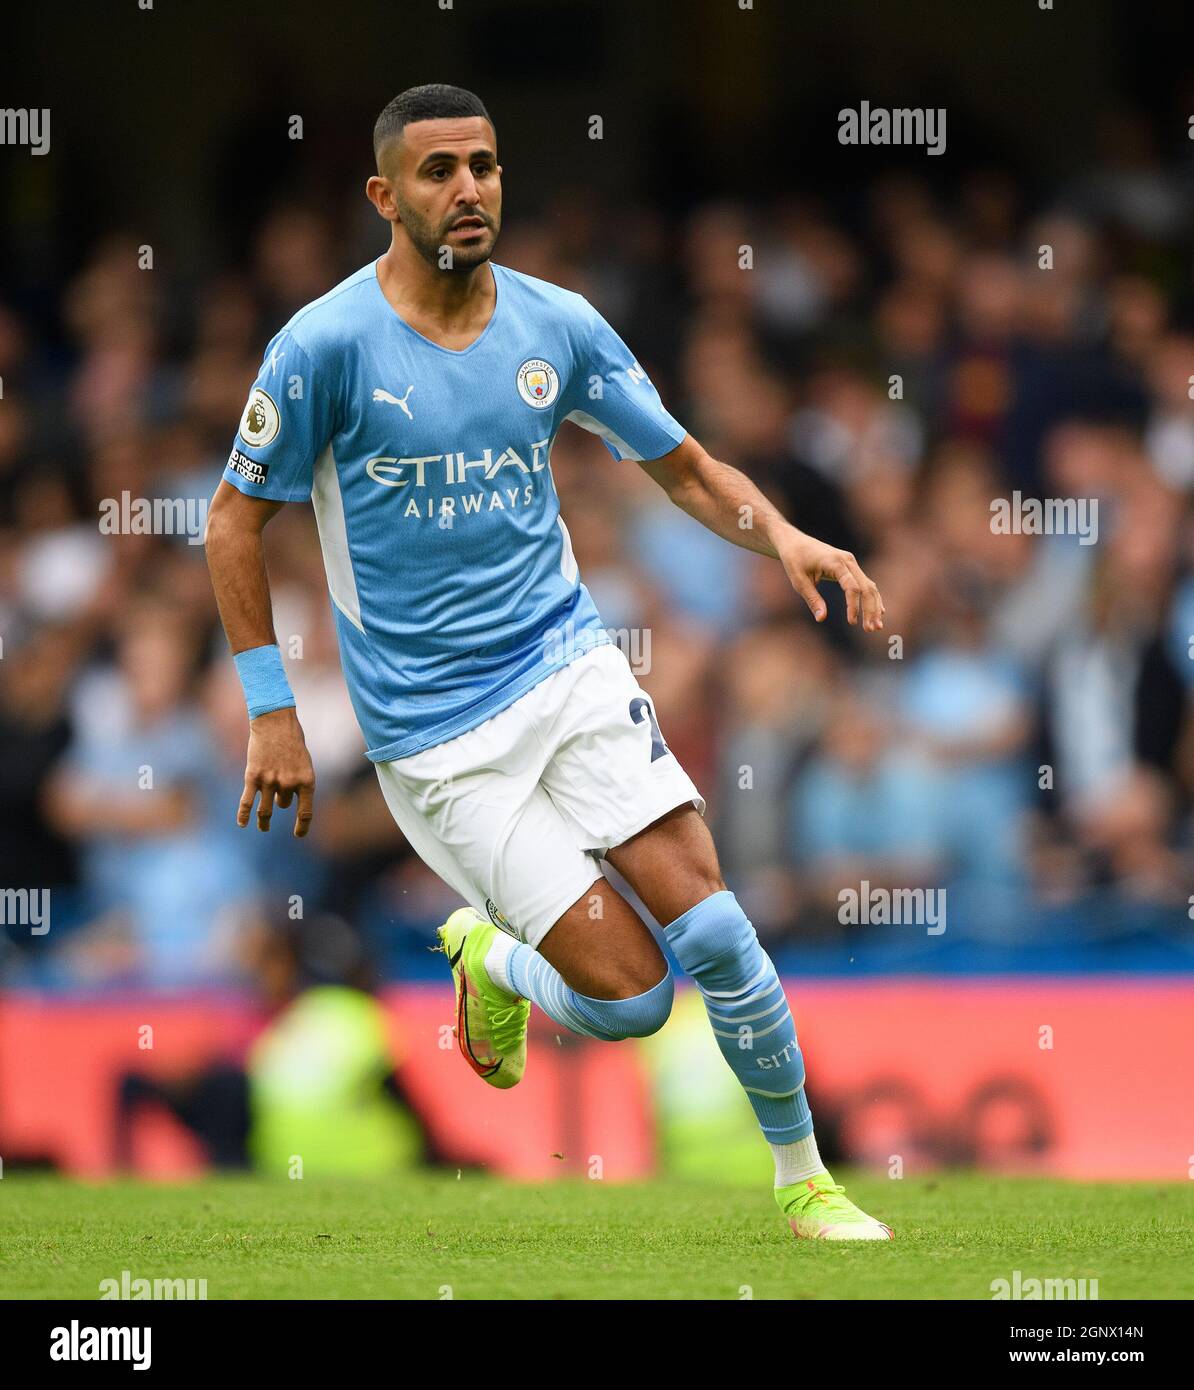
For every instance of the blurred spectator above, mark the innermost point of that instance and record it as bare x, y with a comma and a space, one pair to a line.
139, 791
886, 365
318, 1085
867, 807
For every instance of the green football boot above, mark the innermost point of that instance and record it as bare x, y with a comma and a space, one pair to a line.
818, 1209
491, 1025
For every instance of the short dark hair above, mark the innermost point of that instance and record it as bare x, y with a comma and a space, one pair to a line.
434, 101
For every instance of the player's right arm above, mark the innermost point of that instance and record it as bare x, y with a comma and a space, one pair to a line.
278, 766
288, 421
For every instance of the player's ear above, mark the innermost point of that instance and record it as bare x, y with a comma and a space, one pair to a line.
380, 193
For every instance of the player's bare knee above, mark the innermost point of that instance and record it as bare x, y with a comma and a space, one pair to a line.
635, 1006
704, 882
629, 980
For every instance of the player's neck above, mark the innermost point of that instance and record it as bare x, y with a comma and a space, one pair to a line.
449, 308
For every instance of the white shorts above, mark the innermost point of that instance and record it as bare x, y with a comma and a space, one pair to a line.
516, 814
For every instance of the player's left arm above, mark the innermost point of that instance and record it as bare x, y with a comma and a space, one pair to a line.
730, 505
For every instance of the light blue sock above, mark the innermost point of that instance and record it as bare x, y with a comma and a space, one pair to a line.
716, 944
523, 970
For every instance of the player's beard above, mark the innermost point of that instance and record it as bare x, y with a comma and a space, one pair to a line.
430, 241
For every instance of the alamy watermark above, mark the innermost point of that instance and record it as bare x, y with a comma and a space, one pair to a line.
26, 125
128, 1288
865, 906
566, 643
902, 125
81, 1342
127, 515
1017, 1287
1052, 516
26, 907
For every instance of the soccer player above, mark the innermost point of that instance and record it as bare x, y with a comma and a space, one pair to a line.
415, 404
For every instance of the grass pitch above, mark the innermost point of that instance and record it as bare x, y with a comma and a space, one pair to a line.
437, 1236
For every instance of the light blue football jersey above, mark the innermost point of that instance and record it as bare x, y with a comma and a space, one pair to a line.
451, 574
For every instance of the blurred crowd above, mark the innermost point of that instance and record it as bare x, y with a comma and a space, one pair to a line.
885, 368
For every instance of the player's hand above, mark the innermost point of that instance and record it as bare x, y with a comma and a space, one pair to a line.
279, 767
807, 561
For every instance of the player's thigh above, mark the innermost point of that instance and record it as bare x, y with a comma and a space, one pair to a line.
611, 772
602, 948
436, 853
623, 791
672, 864
496, 838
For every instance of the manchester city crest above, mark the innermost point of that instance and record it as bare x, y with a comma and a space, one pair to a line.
538, 383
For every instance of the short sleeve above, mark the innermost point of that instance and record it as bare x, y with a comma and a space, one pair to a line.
613, 397
286, 424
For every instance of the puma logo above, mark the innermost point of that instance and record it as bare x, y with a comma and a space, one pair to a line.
380, 395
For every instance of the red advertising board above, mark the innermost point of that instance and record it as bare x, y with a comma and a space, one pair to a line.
1083, 1078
